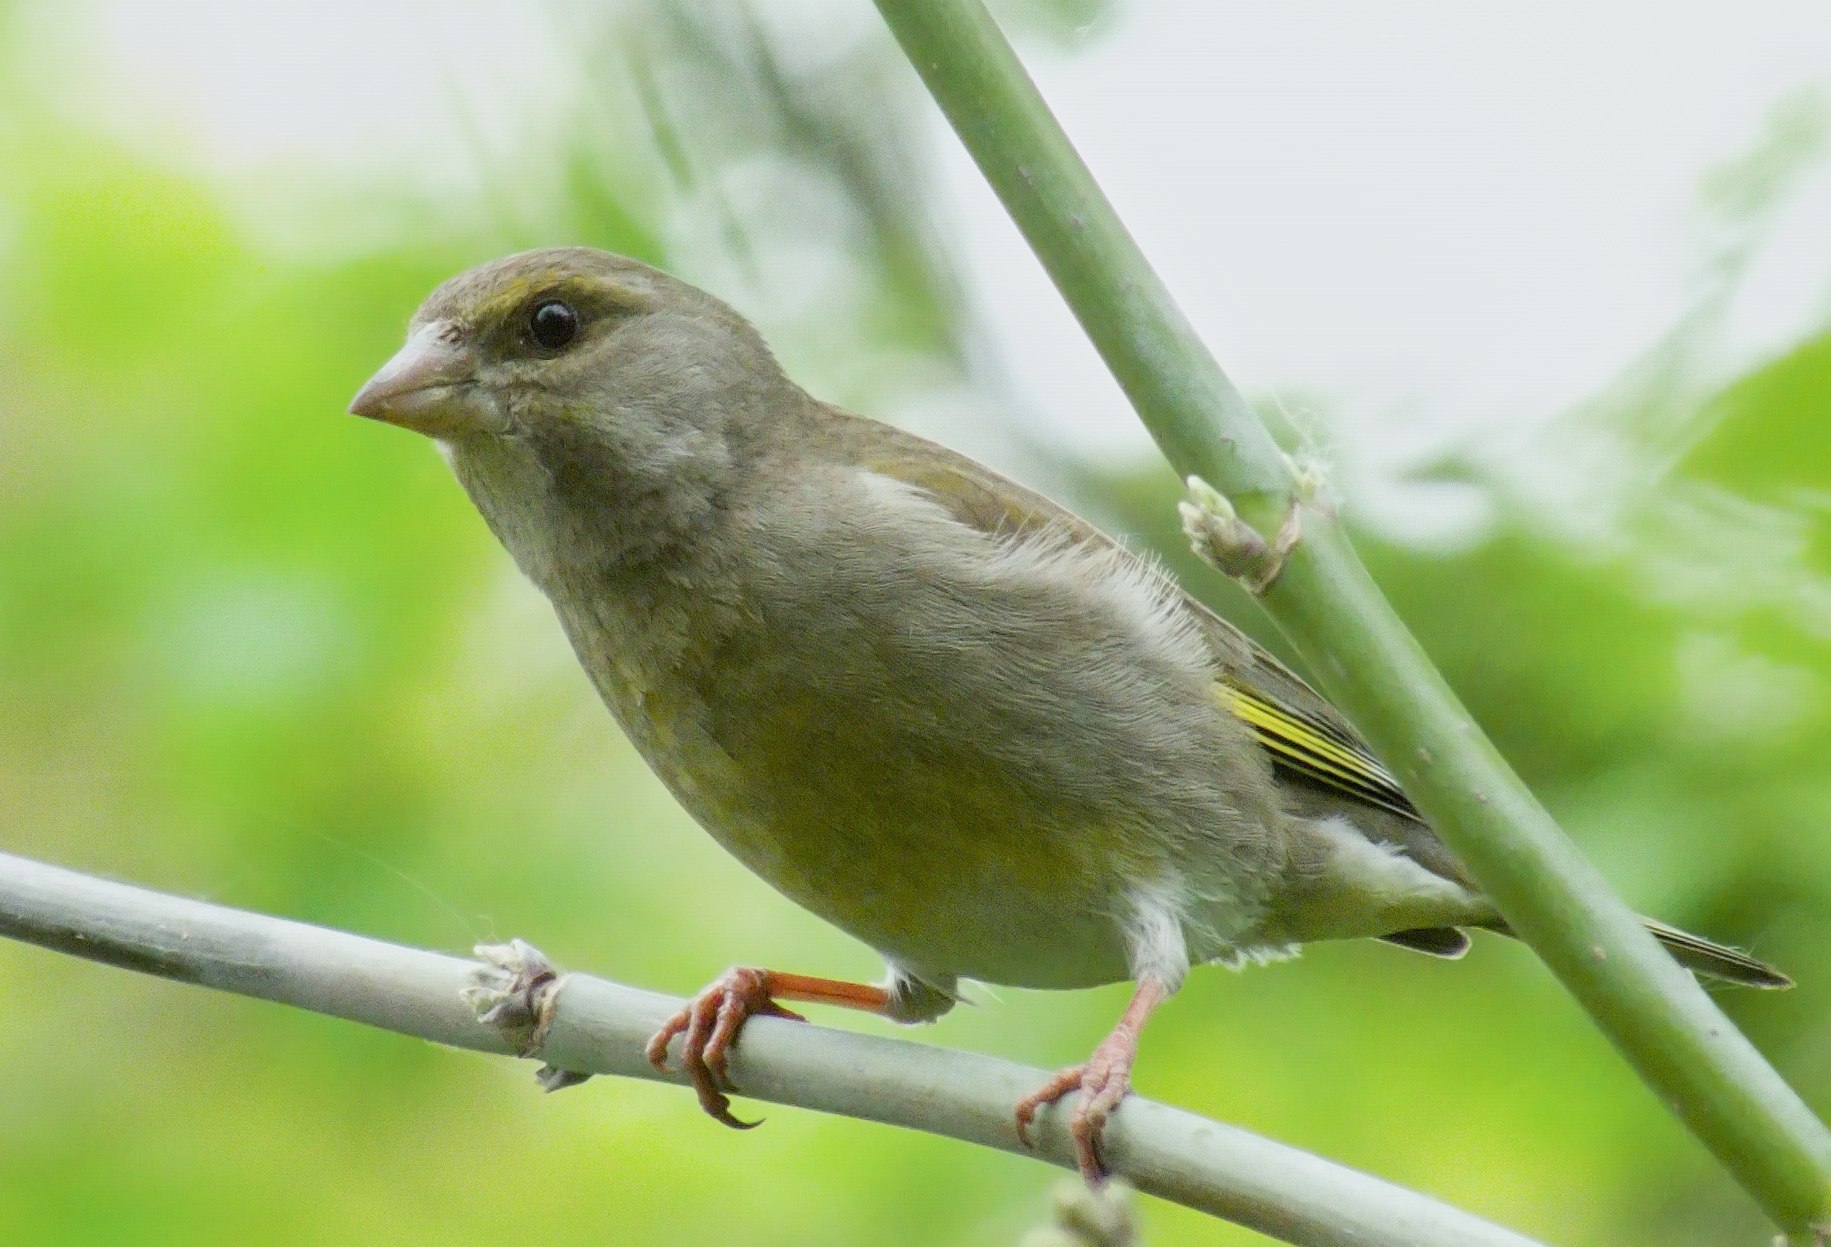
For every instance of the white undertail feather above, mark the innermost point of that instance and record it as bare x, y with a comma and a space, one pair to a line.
1383, 869
1154, 939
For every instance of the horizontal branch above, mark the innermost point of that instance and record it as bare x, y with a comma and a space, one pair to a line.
600, 1027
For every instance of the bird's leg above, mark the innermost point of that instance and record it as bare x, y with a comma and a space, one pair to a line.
711, 1020
1103, 1082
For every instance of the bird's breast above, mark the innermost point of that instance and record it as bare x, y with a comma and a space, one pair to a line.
922, 851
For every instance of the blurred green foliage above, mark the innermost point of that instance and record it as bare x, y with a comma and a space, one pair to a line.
255, 651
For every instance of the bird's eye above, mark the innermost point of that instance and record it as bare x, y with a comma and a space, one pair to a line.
552, 324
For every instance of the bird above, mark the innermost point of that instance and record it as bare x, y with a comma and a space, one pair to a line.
930, 705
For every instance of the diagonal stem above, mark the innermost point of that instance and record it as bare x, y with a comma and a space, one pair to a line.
1680, 1043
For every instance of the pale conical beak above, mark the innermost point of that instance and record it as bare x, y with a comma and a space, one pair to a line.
429, 386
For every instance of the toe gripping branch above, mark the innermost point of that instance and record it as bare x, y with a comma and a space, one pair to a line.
1103, 1083
1227, 543
710, 1023
516, 993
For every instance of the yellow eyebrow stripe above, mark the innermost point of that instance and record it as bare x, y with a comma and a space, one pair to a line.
1309, 752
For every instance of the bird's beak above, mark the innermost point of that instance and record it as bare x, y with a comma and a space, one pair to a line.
430, 386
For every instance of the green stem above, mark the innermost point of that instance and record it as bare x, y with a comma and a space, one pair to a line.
1169, 376
1655, 1013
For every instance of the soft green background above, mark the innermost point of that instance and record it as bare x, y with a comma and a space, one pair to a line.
255, 651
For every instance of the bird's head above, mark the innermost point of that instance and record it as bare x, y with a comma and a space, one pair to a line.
572, 386
514, 345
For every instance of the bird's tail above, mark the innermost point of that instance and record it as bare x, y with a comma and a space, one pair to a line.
1705, 957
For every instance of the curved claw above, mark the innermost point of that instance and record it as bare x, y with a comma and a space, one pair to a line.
711, 1022
1103, 1082
1064, 1082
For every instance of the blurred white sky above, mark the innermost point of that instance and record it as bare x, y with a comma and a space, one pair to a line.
1456, 214
1445, 220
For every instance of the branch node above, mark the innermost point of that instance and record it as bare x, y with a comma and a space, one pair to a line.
1085, 1216
1227, 543
515, 991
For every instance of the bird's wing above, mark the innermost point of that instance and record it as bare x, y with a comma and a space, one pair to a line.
1305, 736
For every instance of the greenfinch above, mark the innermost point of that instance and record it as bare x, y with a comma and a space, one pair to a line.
927, 704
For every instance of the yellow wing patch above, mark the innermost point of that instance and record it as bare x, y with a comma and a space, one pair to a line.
1315, 751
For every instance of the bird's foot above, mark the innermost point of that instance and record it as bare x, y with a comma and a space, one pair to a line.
710, 1022
1227, 543
1104, 1081
516, 992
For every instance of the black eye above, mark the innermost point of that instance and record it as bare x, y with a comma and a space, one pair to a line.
553, 324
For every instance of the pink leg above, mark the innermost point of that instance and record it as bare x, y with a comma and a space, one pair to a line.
712, 1019
1103, 1082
